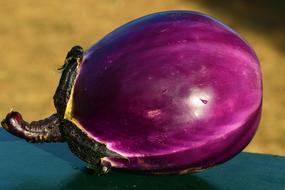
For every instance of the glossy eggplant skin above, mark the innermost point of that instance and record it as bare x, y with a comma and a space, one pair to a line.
174, 92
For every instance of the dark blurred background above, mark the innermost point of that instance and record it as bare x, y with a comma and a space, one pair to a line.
36, 35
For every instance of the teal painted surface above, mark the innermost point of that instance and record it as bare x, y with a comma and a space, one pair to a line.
25, 166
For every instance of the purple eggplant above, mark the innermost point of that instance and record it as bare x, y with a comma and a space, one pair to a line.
170, 92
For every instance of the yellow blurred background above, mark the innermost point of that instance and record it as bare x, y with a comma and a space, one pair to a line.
36, 35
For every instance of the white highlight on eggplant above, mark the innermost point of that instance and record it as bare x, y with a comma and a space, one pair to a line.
199, 101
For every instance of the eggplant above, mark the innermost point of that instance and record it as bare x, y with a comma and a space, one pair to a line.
168, 93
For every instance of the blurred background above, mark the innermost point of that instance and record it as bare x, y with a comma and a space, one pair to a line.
36, 35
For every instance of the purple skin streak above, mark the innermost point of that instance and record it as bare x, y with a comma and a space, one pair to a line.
176, 91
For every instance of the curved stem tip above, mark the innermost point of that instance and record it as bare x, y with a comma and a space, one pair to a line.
46, 130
